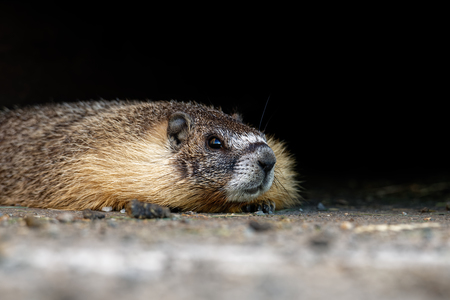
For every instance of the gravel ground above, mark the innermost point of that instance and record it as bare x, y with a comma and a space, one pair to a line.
340, 253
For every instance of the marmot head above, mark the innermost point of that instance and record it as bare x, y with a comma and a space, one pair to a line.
219, 154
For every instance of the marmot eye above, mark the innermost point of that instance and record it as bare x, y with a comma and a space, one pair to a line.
215, 143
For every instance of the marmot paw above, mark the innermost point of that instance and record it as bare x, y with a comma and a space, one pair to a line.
266, 206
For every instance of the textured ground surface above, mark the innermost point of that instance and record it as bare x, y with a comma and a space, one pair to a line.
341, 253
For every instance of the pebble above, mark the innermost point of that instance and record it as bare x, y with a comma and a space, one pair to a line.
321, 241
143, 210
346, 225
260, 226
107, 208
66, 218
320, 206
32, 221
4, 220
93, 215
260, 213
424, 210
123, 210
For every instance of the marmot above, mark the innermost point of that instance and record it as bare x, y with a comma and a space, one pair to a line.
183, 155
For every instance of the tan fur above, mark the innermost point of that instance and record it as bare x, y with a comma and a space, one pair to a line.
92, 155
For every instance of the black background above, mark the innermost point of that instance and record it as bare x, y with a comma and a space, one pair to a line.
355, 96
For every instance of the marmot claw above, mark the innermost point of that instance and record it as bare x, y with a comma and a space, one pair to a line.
266, 206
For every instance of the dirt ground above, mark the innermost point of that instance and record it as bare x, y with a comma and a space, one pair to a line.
341, 252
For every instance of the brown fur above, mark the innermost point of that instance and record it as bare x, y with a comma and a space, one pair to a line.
88, 155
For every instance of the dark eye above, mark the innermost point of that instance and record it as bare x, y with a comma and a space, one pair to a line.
215, 143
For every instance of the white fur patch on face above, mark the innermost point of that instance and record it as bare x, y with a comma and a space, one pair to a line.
242, 141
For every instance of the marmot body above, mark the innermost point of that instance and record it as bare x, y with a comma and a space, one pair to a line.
88, 155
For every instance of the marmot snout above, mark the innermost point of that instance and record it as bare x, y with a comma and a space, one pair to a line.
253, 174
181, 155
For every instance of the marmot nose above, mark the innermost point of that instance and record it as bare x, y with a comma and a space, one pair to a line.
266, 165
266, 159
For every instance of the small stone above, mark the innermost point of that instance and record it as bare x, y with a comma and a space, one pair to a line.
65, 218
123, 210
185, 221
403, 213
143, 210
4, 220
320, 241
260, 226
320, 206
346, 225
32, 221
260, 213
93, 215
107, 208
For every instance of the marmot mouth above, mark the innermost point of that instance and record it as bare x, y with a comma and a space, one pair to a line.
248, 191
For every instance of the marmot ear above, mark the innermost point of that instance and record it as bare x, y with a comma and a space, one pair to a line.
238, 117
178, 128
